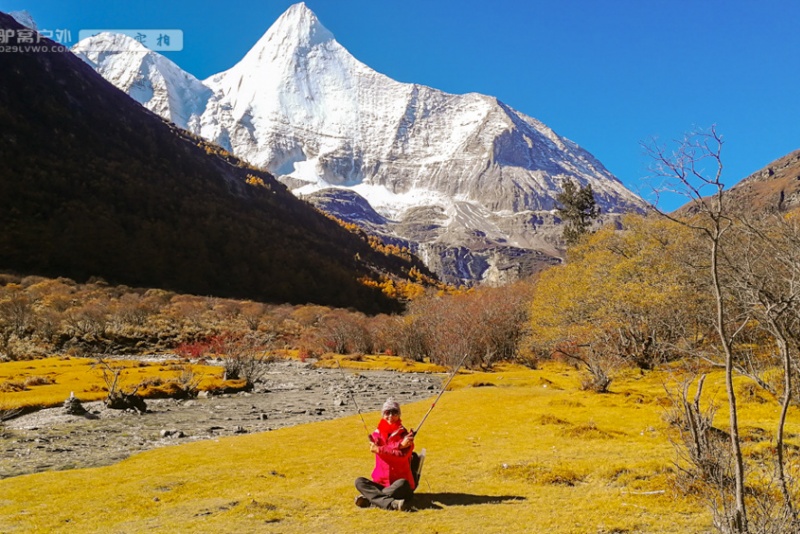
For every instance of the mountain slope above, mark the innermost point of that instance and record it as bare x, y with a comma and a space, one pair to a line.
93, 184
776, 187
301, 106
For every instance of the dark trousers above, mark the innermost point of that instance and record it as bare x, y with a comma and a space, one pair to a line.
382, 497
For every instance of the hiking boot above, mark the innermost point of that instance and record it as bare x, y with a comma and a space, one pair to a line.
362, 502
401, 505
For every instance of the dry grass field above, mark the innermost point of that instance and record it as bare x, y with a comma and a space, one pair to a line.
516, 450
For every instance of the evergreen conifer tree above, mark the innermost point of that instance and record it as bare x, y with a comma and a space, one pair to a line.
578, 210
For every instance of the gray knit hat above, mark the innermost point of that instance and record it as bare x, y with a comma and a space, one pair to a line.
391, 404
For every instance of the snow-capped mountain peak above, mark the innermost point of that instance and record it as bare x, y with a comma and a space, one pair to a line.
447, 172
295, 33
298, 27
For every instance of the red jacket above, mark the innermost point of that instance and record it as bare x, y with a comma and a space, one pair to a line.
392, 463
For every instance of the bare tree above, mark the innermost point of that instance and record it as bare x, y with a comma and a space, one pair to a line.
765, 275
684, 170
16, 318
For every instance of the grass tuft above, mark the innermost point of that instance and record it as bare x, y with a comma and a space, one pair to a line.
12, 386
32, 381
545, 475
549, 419
590, 430
568, 403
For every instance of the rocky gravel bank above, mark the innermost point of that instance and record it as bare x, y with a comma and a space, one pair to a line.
291, 393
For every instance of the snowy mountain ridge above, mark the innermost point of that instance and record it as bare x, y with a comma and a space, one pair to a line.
148, 77
455, 176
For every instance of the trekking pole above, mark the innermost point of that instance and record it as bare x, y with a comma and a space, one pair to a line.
353, 397
452, 375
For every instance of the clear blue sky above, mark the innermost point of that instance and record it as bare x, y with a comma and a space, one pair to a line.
607, 74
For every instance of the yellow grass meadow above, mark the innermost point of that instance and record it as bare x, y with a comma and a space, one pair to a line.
50, 381
515, 450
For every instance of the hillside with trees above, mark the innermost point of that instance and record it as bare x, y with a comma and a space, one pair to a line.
92, 184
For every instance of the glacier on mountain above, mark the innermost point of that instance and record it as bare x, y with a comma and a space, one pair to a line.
453, 176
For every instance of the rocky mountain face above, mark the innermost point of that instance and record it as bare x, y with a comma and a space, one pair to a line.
92, 184
776, 187
467, 182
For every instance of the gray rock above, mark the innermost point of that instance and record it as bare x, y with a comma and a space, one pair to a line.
73, 406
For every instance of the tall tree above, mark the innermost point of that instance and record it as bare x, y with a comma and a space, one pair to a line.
764, 270
578, 210
684, 170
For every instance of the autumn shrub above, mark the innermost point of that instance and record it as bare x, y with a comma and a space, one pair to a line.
303, 354
616, 296
193, 350
244, 357
253, 314
189, 382
486, 325
597, 367
344, 332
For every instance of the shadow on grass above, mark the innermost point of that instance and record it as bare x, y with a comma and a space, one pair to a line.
437, 501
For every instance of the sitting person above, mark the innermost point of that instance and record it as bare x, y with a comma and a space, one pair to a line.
392, 485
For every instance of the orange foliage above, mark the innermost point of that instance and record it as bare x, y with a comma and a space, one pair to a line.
256, 181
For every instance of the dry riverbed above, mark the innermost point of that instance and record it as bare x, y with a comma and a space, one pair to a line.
291, 393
